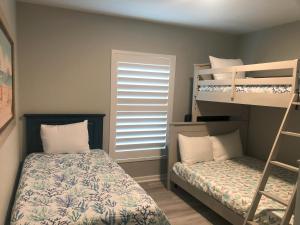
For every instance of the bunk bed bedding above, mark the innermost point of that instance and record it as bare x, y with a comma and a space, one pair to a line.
233, 183
267, 89
83, 189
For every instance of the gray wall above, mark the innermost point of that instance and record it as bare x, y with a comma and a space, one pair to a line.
274, 44
64, 59
9, 141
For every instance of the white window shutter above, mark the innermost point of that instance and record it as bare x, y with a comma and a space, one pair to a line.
142, 90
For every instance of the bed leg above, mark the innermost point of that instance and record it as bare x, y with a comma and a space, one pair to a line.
171, 186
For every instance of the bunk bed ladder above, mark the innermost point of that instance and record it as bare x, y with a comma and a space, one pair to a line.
290, 205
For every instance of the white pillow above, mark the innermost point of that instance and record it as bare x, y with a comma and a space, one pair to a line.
195, 149
222, 63
227, 146
69, 138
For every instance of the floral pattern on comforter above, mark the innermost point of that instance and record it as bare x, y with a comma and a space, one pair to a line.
234, 182
267, 89
83, 189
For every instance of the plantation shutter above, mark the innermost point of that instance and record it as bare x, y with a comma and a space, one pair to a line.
141, 104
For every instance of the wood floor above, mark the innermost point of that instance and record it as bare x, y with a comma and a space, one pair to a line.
180, 207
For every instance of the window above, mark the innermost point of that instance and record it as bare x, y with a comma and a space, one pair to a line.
141, 104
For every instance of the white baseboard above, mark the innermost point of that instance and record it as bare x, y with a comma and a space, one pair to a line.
159, 177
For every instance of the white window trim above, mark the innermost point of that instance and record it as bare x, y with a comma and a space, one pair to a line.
138, 155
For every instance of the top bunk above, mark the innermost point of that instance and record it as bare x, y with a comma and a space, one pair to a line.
274, 90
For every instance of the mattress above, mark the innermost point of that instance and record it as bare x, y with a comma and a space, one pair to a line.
267, 89
234, 182
67, 189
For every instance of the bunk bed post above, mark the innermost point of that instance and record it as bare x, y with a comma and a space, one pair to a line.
233, 85
295, 75
172, 154
195, 109
295, 85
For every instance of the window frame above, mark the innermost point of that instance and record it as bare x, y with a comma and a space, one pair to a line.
142, 155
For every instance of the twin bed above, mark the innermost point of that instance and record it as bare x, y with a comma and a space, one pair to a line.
85, 189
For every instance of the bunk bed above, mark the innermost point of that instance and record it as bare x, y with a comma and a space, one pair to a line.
272, 91
228, 187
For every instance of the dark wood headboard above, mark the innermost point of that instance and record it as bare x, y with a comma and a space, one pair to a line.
34, 121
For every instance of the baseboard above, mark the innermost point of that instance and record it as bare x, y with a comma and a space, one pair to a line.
158, 177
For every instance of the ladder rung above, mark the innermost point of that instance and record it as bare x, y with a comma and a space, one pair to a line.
274, 197
290, 133
285, 166
296, 103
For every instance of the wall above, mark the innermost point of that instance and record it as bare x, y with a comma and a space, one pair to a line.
274, 44
64, 58
9, 141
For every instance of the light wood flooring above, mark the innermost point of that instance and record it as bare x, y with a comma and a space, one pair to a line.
180, 207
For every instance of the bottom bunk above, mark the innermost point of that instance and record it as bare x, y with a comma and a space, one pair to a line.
208, 160
233, 184
81, 189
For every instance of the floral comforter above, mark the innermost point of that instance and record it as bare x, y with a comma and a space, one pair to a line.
234, 182
266, 89
85, 189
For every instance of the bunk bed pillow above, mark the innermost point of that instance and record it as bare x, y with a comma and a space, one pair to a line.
222, 63
69, 138
227, 146
195, 149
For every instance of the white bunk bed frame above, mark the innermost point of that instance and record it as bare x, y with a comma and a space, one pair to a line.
261, 99
282, 100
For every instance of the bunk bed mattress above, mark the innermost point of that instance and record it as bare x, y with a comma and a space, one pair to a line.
267, 89
234, 182
82, 189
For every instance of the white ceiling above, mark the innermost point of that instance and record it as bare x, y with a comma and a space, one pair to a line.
227, 15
